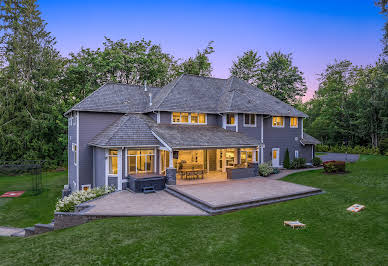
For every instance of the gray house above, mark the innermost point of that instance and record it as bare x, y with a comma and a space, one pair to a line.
197, 128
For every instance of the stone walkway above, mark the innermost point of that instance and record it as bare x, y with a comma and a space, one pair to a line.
126, 203
8, 231
286, 172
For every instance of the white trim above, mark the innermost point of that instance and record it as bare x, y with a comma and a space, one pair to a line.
126, 162
94, 166
162, 141
89, 186
156, 156
278, 126
262, 128
226, 119
301, 127
106, 166
262, 155
249, 125
236, 121
277, 157
297, 122
119, 169
158, 117
189, 119
296, 154
171, 160
78, 161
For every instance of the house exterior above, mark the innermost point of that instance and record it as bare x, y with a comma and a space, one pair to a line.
196, 126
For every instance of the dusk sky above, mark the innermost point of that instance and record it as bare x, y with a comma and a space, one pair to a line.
316, 32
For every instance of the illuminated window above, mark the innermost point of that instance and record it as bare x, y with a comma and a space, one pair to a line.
250, 120
193, 118
74, 149
274, 154
277, 121
140, 161
294, 122
113, 160
230, 119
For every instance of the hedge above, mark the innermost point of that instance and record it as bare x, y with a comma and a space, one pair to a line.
343, 149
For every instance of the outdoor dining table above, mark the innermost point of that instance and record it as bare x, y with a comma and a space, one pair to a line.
192, 174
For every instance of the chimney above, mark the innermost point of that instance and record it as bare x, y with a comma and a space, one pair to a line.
150, 94
145, 85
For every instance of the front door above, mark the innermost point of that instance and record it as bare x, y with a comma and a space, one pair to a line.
275, 157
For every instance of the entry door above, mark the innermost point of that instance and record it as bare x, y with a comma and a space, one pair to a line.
275, 157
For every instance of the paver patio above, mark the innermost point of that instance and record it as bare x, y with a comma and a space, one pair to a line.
127, 203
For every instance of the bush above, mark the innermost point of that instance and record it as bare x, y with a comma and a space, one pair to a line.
286, 162
298, 163
67, 204
334, 166
384, 146
275, 171
347, 149
317, 161
265, 169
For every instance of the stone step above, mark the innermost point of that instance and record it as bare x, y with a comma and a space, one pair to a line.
21, 233
29, 231
44, 228
235, 206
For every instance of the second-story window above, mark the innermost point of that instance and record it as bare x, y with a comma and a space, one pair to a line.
230, 119
185, 118
293, 122
249, 120
277, 121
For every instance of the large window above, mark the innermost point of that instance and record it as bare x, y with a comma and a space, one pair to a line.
140, 161
188, 118
230, 119
249, 120
113, 160
278, 121
293, 122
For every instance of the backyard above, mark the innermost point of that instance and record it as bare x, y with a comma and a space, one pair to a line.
251, 236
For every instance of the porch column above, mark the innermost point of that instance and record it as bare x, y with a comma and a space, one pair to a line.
254, 155
171, 161
171, 171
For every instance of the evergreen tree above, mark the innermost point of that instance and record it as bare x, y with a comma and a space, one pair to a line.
286, 162
247, 67
31, 123
200, 64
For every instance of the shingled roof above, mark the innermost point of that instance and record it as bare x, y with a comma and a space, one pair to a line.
307, 139
131, 130
117, 98
196, 137
191, 93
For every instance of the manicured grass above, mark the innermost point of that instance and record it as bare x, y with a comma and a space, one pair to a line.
251, 236
29, 209
320, 153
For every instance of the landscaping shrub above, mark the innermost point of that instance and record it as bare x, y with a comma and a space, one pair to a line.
298, 163
265, 169
275, 171
334, 166
384, 146
347, 149
67, 204
317, 161
286, 162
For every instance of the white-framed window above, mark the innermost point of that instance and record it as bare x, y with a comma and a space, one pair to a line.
296, 154
277, 121
188, 118
74, 149
86, 187
249, 120
140, 161
113, 156
293, 122
230, 119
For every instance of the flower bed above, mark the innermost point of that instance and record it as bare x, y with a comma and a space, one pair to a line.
67, 204
334, 166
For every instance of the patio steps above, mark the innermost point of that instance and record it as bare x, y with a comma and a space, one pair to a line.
39, 229
219, 209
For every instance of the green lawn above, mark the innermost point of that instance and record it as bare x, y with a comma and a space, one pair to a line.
30, 209
320, 153
251, 236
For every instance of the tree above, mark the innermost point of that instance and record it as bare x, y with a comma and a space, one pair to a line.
281, 79
31, 123
247, 67
286, 162
200, 64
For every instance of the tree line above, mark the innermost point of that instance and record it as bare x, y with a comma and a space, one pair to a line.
38, 84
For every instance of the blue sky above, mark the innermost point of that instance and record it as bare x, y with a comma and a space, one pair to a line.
316, 32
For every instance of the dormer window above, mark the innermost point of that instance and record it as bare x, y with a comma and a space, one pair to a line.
230, 119
188, 118
249, 120
293, 122
277, 121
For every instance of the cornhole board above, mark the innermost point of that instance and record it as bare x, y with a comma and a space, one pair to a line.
12, 194
356, 208
294, 224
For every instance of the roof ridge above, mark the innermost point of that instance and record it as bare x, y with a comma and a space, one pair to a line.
176, 82
199, 76
118, 127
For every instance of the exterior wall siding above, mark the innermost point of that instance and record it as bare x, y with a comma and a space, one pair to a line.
90, 124
254, 132
284, 138
99, 167
72, 169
